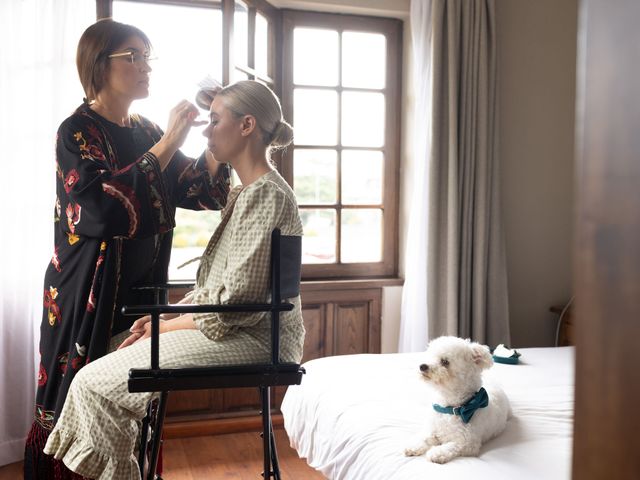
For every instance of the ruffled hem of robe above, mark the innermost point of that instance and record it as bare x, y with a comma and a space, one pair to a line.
84, 460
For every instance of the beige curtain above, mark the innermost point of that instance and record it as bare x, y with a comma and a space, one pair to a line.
467, 294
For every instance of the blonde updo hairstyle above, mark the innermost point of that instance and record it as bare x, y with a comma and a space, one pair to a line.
248, 97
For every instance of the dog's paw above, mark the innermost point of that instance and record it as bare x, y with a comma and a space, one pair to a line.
440, 455
415, 451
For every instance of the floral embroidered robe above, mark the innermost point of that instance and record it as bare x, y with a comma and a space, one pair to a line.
113, 221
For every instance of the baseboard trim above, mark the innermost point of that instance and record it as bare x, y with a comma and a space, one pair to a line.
217, 426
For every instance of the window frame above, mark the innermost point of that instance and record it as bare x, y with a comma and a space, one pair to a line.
392, 30
104, 9
280, 79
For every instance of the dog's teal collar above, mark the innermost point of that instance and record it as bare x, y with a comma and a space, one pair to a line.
480, 399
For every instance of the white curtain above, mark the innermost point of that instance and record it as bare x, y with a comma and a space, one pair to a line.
414, 325
39, 87
456, 276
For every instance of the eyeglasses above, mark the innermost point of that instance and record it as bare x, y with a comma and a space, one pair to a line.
134, 57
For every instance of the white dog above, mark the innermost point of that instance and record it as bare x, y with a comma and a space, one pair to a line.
465, 414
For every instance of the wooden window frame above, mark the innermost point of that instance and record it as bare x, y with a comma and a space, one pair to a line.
104, 9
274, 39
392, 30
280, 78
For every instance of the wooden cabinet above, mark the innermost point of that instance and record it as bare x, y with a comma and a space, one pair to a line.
341, 322
339, 318
566, 335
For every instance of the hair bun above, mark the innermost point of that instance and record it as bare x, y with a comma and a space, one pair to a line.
282, 135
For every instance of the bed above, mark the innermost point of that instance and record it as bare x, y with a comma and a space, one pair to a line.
353, 415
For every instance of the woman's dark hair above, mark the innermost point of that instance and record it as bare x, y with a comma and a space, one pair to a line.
96, 44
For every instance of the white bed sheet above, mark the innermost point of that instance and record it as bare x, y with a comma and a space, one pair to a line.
353, 416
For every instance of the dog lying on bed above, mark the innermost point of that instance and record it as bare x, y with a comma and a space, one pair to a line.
465, 414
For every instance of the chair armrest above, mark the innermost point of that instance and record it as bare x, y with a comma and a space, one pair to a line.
200, 308
161, 290
164, 286
156, 310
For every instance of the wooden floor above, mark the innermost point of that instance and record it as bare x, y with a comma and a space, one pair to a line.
11, 472
234, 456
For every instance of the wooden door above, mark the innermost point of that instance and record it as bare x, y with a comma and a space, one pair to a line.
607, 249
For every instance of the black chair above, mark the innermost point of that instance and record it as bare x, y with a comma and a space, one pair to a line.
285, 283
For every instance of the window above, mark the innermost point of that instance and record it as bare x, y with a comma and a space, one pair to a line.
180, 65
341, 92
176, 72
339, 80
253, 41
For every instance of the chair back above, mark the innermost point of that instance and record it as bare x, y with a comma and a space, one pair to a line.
286, 260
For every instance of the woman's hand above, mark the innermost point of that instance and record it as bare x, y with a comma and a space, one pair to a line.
140, 330
181, 118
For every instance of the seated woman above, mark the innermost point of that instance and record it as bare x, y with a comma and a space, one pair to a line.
97, 430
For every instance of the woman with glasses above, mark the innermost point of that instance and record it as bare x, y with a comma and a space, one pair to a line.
119, 179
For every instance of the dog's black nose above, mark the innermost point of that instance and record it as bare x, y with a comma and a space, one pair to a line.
424, 367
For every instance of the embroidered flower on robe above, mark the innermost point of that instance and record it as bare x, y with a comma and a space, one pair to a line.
70, 180
91, 302
81, 349
88, 151
73, 216
76, 363
63, 360
44, 417
55, 260
73, 238
127, 197
50, 303
42, 376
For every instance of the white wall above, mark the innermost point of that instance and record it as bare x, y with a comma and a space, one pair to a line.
537, 58
390, 328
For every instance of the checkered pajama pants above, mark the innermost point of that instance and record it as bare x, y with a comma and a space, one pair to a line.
98, 427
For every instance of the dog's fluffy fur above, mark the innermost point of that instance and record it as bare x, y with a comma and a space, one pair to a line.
453, 367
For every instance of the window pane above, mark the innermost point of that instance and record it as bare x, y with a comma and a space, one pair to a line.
362, 119
314, 177
262, 45
361, 235
190, 238
319, 239
180, 66
240, 34
315, 117
315, 57
362, 173
239, 75
363, 60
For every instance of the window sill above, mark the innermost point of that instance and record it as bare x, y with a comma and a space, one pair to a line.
317, 285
